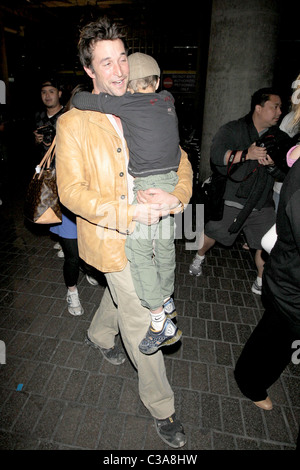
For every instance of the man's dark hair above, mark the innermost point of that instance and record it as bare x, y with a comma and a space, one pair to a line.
262, 96
99, 30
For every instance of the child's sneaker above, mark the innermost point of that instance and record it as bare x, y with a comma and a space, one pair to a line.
74, 305
170, 309
154, 340
195, 269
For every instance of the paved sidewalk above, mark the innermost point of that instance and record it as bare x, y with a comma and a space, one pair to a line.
58, 393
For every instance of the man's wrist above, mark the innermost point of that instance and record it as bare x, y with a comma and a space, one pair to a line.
244, 156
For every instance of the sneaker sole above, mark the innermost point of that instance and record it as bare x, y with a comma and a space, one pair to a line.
257, 292
196, 275
76, 314
173, 340
171, 315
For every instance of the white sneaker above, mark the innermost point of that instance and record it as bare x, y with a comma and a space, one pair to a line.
57, 246
60, 254
91, 280
74, 305
195, 269
256, 288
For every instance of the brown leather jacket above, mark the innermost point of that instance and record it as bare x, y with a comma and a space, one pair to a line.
92, 183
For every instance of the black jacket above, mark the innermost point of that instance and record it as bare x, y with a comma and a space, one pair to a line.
150, 128
282, 269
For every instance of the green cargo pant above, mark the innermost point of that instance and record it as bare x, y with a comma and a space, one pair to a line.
151, 251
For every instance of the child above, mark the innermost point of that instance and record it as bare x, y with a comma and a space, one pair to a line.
150, 127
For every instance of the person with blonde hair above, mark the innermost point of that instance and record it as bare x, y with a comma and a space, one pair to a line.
291, 125
271, 346
296, 102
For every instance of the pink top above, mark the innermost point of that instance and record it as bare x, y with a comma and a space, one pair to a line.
290, 161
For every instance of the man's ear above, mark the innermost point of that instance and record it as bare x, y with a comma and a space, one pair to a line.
157, 84
258, 108
90, 72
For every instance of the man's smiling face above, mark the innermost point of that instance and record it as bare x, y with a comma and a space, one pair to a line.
109, 70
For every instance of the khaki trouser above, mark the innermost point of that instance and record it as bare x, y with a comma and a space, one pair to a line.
133, 321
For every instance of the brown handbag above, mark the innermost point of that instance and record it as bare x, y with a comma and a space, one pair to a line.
42, 202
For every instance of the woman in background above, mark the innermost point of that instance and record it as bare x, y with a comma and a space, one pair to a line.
67, 238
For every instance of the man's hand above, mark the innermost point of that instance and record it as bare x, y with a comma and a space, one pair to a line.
147, 214
266, 161
256, 153
156, 196
38, 137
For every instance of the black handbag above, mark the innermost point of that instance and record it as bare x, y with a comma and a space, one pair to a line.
213, 189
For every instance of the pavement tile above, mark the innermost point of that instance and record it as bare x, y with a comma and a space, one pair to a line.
11, 409
129, 397
90, 430
200, 376
69, 423
133, 436
92, 390
48, 419
40, 378
112, 430
29, 414
210, 407
253, 420
57, 382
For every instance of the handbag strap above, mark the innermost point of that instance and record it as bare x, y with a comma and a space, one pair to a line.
47, 159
